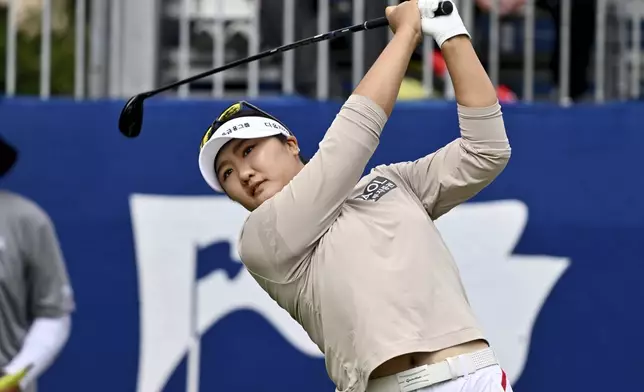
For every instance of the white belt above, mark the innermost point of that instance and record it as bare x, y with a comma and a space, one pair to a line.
426, 375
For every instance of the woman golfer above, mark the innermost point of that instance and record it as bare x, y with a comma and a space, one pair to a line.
357, 261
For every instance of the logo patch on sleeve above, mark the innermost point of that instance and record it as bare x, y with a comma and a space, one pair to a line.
377, 188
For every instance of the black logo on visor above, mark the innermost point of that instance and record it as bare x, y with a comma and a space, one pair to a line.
235, 129
276, 125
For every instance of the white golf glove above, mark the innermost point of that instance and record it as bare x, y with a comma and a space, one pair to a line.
443, 27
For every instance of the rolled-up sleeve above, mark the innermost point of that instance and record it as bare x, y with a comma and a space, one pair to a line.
277, 236
462, 168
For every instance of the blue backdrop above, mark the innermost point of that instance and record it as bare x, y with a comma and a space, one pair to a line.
579, 170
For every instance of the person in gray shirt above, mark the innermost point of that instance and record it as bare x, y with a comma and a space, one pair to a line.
36, 298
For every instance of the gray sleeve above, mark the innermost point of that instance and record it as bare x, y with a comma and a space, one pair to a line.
462, 168
50, 291
281, 232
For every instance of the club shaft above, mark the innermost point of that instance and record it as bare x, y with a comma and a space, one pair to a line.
444, 8
368, 25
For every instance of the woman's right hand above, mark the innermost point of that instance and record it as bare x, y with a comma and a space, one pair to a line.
405, 16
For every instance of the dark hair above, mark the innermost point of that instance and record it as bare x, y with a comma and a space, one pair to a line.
282, 138
8, 157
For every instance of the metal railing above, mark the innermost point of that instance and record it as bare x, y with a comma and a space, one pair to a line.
15, 8
105, 62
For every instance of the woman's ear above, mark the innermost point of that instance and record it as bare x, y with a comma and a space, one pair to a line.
293, 147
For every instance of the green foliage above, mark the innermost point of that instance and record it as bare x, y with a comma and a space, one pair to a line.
28, 57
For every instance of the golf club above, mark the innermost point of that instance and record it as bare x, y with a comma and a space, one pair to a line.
131, 118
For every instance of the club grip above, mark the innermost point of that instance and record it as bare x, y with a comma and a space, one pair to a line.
376, 23
444, 8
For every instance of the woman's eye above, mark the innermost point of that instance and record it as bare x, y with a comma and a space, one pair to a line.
227, 173
248, 150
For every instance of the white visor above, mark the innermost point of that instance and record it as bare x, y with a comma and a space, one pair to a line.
252, 127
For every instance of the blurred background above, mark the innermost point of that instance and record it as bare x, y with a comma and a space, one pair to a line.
163, 303
543, 50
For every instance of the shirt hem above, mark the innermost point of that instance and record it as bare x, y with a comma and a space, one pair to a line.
422, 345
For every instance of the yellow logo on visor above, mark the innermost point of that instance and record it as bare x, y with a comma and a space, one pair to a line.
230, 111
233, 109
206, 137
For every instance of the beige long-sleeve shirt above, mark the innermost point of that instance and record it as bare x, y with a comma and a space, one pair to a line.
357, 260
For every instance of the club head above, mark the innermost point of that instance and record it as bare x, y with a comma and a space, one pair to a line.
131, 119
